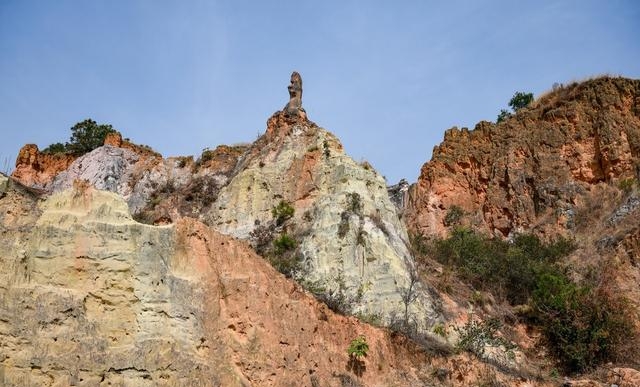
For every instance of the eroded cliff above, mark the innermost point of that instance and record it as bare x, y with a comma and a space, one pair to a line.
92, 298
532, 171
566, 166
348, 243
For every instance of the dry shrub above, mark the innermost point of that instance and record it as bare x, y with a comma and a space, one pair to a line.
596, 205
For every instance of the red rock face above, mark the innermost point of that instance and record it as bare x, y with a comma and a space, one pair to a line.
113, 139
532, 171
36, 169
567, 165
276, 334
222, 159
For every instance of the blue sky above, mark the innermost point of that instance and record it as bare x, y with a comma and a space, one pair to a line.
386, 77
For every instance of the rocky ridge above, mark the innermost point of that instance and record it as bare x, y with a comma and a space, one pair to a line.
565, 166
351, 245
89, 297
80, 269
531, 171
350, 237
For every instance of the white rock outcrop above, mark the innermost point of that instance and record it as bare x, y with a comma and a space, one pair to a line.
351, 240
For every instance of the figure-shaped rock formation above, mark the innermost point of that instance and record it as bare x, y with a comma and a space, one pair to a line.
294, 106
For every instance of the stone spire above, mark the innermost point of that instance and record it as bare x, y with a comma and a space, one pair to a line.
294, 106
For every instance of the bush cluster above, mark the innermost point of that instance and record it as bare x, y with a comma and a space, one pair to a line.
583, 324
508, 270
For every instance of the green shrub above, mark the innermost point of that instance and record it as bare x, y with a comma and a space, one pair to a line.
626, 185
504, 114
583, 326
517, 102
327, 150
440, 330
453, 216
283, 257
284, 243
358, 347
282, 212
206, 155
476, 336
508, 270
58, 147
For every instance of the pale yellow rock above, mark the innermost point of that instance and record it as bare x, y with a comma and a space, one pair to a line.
4, 183
308, 168
89, 297
97, 301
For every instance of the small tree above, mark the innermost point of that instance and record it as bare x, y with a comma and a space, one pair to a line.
409, 294
520, 100
517, 102
358, 347
87, 136
282, 212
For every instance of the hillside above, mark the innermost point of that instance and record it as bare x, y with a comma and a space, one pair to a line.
533, 171
563, 169
258, 264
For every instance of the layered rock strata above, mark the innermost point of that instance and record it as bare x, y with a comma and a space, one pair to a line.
89, 297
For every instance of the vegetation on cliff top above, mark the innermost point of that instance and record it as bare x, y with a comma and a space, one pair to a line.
517, 102
86, 136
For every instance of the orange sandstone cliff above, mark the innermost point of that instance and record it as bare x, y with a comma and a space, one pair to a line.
535, 170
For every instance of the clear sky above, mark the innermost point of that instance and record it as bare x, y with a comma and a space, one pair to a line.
387, 77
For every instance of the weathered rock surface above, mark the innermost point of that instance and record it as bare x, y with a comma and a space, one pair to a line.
350, 240
350, 237
36, 169
141, 177
294, 106
89, 297
567, 165
531, 171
